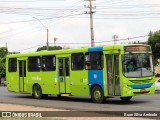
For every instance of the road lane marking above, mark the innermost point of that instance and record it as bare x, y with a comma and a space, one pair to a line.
145, 107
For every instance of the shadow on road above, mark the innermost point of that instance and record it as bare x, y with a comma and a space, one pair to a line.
115, 101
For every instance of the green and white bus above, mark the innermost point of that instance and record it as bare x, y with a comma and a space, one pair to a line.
109, 71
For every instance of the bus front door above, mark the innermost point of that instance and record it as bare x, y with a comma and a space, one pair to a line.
113, 80
64, 73
22, 75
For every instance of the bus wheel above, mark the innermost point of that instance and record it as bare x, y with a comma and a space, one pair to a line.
59, 96
97, 95
126, 99
45, 95
37, 92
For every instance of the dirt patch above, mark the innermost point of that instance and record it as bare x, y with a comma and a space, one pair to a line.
13, 107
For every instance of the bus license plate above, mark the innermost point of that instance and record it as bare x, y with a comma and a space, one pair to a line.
143, 90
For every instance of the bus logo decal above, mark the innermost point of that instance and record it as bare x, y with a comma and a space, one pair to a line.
36, 78
95, 76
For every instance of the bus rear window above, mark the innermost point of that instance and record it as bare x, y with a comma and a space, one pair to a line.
12, 65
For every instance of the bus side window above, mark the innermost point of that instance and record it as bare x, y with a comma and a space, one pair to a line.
12, 65
48, 63
77, 61
93, 61
34, 64
87, 62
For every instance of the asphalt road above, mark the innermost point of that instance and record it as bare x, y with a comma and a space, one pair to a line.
138, 103
82, 106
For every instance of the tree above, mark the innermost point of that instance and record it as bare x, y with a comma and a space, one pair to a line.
139, 42
154, 42
3, 53
50, 48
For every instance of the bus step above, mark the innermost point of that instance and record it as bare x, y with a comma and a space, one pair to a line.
65, 94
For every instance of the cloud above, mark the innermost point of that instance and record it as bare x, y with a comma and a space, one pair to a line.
152, 1
73, 30
24, 35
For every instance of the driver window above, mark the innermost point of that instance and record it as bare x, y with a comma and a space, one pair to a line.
132, 64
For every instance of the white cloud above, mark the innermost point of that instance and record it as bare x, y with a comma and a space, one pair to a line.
152, 1
25, 35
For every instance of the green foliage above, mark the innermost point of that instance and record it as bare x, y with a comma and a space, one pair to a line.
3, 53
154, 42
139, 42
50, 48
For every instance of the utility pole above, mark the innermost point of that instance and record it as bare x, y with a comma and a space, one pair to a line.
47, 43
6, 48
128, 40
91, 21
115, 38
55, 39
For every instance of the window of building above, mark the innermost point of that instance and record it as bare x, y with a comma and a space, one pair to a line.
34, 64
77, 61
12, 65
93, 61
48, 63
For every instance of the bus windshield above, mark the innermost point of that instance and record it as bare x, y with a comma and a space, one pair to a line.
137, 65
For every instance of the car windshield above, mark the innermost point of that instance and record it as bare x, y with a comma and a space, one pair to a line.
137, 65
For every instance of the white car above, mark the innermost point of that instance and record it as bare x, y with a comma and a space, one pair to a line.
157, 84
5, 83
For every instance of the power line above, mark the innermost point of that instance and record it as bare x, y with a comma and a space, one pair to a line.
31, 47
63, 19
126, 18
128, 38
85, 43
58, 18
20, 34
111, 2
15, 1
62, 11
40, 19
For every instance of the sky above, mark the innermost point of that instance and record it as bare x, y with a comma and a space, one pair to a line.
24, 23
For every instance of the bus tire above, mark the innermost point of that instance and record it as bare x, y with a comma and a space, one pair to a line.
126, 99
97, 95
37, 92
45, 96
59, 96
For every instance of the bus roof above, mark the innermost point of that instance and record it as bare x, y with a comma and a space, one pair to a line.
75, 50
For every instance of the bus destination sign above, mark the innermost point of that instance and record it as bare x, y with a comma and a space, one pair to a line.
136, 48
